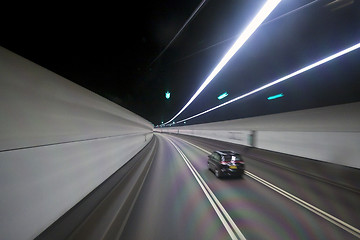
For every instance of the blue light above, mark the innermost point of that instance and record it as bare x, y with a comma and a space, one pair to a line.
275, 96
167, 95
222, 95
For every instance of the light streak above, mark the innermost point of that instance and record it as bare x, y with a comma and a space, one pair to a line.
302, 70
265, 11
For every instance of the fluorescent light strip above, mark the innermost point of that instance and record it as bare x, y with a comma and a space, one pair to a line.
311, 66
275, 96
224, 95
265, 11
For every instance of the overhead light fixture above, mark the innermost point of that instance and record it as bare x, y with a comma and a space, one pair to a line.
167, 95
302, 70
275, 96
221, 96
265, 11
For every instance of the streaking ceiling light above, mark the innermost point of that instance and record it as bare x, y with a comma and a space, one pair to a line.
311, 66
265, 11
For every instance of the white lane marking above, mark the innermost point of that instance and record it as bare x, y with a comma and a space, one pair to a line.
220, 206
336, 221
347, 227
213, 200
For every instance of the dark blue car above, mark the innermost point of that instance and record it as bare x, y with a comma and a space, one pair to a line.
226, 163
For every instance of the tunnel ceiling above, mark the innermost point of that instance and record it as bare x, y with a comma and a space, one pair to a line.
133, 54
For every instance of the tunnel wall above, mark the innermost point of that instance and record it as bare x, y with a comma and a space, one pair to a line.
330, 134
58, 142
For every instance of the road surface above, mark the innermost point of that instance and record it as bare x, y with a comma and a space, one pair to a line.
182, 199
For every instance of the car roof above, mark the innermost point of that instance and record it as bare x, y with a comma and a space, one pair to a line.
227, 152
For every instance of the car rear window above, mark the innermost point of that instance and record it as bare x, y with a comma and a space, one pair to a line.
232, 158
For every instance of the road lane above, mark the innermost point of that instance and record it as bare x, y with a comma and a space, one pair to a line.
171, 204
338, 200
223, 215
260, 212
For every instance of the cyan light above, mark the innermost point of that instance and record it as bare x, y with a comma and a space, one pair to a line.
275, 96
167, 95
223, 95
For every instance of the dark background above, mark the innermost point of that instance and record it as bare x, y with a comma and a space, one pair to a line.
117, 52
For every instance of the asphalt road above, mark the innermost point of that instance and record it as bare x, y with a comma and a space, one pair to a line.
182, 199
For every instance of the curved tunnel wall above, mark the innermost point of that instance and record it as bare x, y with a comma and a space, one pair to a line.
330, 134
58, 142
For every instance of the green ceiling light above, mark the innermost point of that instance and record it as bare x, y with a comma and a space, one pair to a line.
275, 96
223, 95
167, 95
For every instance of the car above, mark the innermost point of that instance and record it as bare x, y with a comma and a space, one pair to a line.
226, 163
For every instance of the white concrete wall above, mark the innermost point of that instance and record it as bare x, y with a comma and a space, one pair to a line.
58, 142
238, 137
335, 147
330, 134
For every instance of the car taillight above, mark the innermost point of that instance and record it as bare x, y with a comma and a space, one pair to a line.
239, 161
